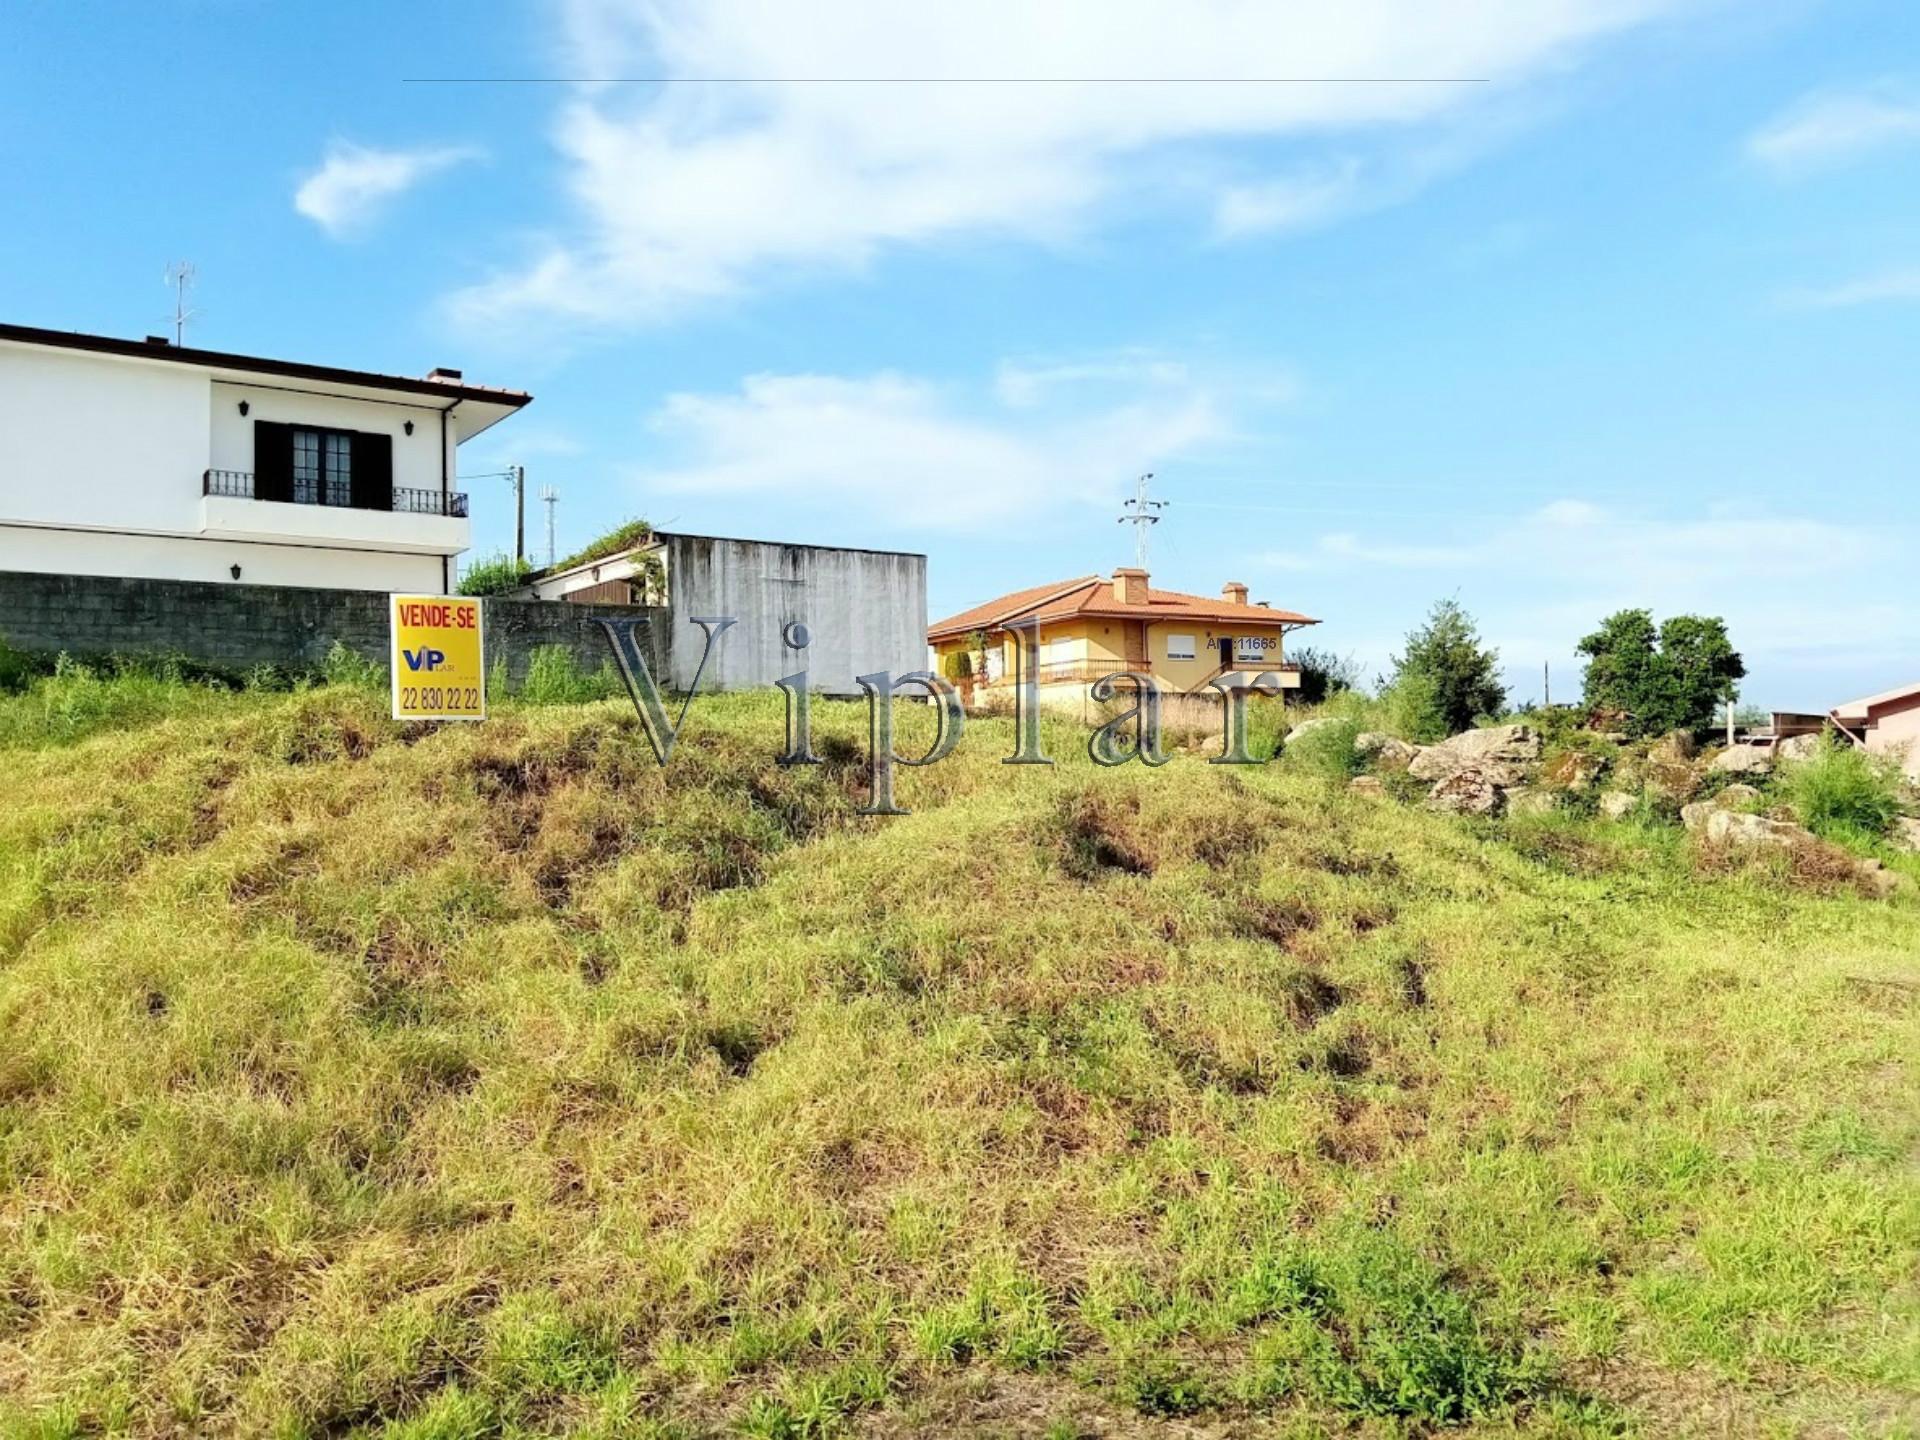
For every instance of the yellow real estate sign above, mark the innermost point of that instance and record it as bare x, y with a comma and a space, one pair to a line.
437, 653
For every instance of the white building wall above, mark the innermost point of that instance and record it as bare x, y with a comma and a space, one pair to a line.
101, 459
168, 557
97, 440
416, 457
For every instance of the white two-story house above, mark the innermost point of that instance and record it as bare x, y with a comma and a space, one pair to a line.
143, 458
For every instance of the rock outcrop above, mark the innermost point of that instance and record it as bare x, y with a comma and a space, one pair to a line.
1734, 797
1733, 830
1467, 791
1670, 778
1501, 754
1531, 800
1307, 727
1384, 752
1576, 770
1618, 804
1742, 760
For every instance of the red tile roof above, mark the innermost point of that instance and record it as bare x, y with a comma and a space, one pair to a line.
1093, 595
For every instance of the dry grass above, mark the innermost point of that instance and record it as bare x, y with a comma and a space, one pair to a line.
491, 1081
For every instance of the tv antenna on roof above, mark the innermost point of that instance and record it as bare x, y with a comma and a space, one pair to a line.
547, 498
180, 275
1140, 512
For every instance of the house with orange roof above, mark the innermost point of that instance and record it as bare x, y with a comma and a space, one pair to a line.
1096, 625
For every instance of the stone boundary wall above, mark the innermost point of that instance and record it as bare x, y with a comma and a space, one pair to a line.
236, 627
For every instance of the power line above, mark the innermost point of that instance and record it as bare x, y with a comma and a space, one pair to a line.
943, 80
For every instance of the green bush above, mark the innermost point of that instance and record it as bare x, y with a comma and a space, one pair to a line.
1842, 792
1410, 708
18, 669
554, 679
1324, 674
1326, 750
349, 667
621, 537
495, 575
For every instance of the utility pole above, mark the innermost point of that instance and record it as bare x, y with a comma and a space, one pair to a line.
180, 277
547, 498
1546, 684
520, 512
1139, 512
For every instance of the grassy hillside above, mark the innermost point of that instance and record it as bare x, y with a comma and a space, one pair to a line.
491, 1081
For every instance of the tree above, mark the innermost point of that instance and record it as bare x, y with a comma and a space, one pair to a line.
1324, 674
1445, 657
1674, 678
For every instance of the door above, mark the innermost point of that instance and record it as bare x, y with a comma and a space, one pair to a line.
1226, 654
1137, 646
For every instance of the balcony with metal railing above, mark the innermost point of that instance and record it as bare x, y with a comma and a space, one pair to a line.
322, 514
238, 485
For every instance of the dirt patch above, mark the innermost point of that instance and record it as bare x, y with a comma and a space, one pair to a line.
1096, 835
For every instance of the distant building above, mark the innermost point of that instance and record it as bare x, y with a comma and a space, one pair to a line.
1886, 724
1094, 626
863, 610
150, 460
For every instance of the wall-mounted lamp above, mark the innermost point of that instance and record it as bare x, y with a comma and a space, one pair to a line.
243, 407
409, 427
236, 572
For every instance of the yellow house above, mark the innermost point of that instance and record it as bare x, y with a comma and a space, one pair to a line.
1094, 626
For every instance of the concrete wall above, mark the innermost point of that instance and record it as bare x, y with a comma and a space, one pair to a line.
866, 610
239, 626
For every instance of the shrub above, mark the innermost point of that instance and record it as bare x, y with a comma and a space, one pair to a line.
349, 667
622, 537
1410, 708
1446, 655
1323, 674
553, 678
1842, 792
18, 669
495, 575
1326, 750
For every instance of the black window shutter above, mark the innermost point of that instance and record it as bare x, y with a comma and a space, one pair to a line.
372, 472
272, 461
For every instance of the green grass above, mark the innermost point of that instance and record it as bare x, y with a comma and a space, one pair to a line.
1842, 791
487, 1081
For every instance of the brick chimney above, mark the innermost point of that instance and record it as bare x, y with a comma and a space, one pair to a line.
1130, 586
1234, 593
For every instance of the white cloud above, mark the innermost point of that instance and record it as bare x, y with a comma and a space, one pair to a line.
901, 451
792, 146
1577, 541
356, 182
1890, 285
1833, 126
1800, 595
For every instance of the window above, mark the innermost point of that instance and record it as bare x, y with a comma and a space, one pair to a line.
308, 465
322, 467
1179, 647
338, 484
1059, 652
1254, 647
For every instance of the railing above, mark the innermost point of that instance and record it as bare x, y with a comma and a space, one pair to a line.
1064, 672
238, 485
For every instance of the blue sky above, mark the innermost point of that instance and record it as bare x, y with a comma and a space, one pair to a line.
1553, 305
